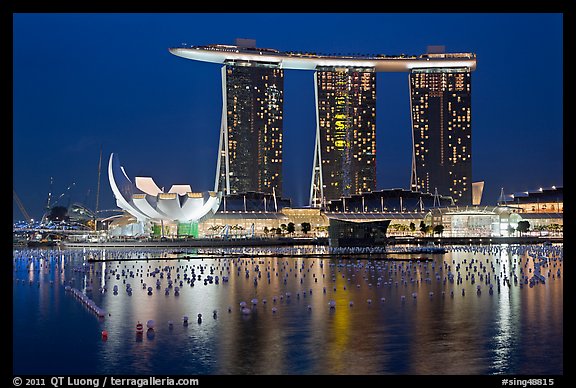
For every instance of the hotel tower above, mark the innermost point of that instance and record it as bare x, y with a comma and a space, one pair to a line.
250, 151
441, 132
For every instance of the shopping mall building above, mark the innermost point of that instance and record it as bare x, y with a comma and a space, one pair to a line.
181, 213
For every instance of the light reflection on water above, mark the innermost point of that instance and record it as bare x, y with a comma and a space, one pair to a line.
516, 330
505, 331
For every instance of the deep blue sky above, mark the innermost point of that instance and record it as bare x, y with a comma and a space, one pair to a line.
86, 80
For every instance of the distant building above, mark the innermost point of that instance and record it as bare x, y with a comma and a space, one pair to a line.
442, 131
78, 213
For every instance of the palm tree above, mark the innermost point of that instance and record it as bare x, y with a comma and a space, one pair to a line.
439, 229
423, 227
523, 227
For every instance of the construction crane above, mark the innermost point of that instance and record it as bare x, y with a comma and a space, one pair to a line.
50, 204
49, 194
98, 187
98, 191
63, 194
21, 207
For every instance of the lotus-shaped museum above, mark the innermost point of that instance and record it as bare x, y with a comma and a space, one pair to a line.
145, 201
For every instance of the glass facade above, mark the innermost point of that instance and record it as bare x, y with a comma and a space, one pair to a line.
442, 132
254, 118
188, 229
346, 113
544, 200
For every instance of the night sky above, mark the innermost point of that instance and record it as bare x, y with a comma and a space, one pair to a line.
85, 81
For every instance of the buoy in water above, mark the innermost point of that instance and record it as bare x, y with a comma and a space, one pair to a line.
139, 328
104, 335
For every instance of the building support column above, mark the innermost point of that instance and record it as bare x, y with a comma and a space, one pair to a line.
222, 181
317, 184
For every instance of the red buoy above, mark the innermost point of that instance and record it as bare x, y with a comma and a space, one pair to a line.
104, 335
139, 328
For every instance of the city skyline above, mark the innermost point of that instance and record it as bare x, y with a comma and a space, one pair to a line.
162, 116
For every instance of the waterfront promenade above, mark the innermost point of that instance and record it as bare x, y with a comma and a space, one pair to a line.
292, 241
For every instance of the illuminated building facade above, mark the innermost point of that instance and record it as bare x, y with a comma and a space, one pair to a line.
250, 157
442, 132
345, 150
146, 202
388, 200
543, 200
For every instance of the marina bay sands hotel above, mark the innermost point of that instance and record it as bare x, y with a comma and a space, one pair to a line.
250, 146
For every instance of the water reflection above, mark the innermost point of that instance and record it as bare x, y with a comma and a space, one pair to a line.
390, 317
504, 320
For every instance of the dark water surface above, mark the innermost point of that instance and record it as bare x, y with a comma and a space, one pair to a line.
403, 318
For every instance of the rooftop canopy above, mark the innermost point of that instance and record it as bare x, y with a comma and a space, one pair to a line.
223, 54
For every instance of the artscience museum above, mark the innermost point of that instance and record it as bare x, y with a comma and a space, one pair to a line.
177, 211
